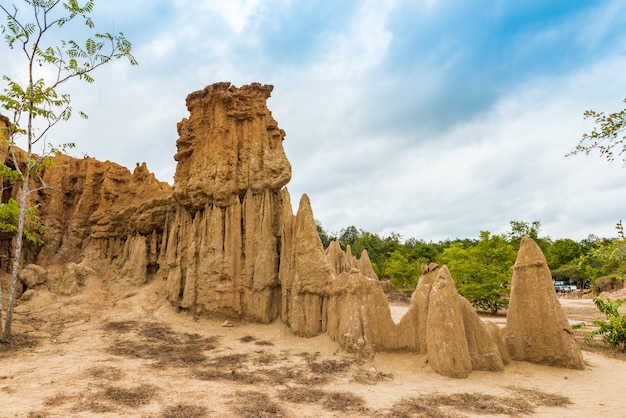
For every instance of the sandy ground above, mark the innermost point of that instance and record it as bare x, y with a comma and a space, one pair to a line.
123, 352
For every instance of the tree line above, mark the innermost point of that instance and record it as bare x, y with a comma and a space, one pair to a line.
482, 267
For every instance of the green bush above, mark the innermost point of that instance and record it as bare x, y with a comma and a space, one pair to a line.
613, 330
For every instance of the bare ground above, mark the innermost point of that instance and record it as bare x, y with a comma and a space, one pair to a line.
124, 352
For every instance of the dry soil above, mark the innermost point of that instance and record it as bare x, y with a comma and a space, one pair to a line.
114, 351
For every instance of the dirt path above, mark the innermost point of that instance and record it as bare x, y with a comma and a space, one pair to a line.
126, 353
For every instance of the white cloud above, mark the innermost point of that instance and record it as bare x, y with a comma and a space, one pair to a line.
363, 45
238, 14
235, 12
508, 164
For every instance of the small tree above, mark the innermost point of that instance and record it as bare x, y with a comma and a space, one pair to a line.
613, 330
35, 105
348, 236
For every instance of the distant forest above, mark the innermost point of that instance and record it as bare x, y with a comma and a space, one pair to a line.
482, 267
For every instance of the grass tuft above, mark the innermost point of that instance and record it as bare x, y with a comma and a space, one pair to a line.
185, 411
522, 402
370, 377
255, 405
17, 342
131, 397
105, 373
330, 400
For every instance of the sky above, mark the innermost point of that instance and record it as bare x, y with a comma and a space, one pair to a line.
434, 119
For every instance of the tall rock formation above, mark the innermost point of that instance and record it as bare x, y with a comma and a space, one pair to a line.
446, 340
223, 237
536, 327
359, 317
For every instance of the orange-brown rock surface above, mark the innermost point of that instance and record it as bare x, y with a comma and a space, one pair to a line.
229, 146
90, 208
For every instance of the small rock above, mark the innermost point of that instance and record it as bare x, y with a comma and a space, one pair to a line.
33, 275
227, 324
28, 295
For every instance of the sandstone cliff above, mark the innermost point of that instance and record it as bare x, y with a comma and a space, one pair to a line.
90, 208
223, 238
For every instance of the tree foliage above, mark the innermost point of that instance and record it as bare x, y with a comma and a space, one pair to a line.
612, 254
608, 136
33, 228
36, 105
520, 229
563, 251
604, 262
402, 272
482, 273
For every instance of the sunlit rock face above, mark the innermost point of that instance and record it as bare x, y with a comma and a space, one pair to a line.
91, 208
230, 145
233, 245
304, 272
224, 236
358, 314
536, 327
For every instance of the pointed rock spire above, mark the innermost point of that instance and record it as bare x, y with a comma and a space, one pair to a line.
536, 327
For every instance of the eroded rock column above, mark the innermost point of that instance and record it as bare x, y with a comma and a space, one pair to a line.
223, 241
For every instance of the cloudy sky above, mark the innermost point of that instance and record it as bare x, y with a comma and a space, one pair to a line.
434, 119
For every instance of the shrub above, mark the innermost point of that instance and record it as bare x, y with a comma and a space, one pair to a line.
613, 329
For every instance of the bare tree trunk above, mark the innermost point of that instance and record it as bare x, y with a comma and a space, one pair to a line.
6, 336
1, 307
